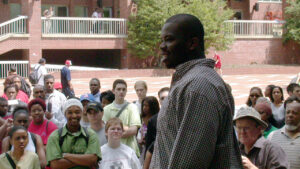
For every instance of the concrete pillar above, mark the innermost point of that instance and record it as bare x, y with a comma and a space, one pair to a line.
125, 8
32, 9
124, 59
284, 5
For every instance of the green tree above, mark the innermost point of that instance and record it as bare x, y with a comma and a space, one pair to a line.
144, 27
292, 25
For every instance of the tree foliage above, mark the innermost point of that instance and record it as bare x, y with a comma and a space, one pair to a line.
292, 24
144, 27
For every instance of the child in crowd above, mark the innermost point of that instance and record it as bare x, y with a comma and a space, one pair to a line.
114, 153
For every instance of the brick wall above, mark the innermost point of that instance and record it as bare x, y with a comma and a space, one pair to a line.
260, 51
246, 6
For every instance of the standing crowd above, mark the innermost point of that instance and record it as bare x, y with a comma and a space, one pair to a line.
192, 124
53, 129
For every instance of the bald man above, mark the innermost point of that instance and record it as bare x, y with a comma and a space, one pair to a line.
194, 127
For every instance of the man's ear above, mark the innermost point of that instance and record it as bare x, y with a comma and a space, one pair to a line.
193, 43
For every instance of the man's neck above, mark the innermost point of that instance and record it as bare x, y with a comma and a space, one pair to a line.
73, 129
49, 91
114, 143
119, 101
97, 125
94, 93
293, 134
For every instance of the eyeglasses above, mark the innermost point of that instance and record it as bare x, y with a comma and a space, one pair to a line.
245, 129
254, 95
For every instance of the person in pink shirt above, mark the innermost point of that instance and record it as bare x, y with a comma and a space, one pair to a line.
12, 92
39, 125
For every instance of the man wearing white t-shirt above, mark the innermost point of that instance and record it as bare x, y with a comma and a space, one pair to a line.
42, 71
115, 154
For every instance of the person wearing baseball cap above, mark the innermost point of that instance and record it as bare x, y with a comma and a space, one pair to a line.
85, 99
95, 114
257, 152
65, 75
73, 146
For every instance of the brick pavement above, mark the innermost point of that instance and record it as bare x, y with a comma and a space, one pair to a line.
240, 84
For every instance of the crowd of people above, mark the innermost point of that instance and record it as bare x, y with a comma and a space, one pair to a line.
54, 129
192, 124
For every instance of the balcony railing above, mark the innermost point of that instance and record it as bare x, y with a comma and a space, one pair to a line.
255, 28
14, 26
83, 27
22, 68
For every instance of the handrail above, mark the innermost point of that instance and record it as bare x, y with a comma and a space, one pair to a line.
85, 19
84, 27
14, 26
13, 20
255, 28
255, 21
22, 68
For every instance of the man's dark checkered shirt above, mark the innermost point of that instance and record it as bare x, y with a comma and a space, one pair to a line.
195, 128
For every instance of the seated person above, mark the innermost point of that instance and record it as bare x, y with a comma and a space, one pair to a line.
257, 152
115, 154
39, 125
19, 157
73, 146
35, 144
95, 113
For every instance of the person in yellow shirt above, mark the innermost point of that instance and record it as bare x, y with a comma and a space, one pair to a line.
127, 112
19, 158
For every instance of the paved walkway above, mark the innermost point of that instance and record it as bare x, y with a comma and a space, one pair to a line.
240, 84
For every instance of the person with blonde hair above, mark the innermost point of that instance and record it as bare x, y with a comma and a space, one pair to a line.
114, 153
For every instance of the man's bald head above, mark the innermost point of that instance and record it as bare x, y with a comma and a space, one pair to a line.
190, 26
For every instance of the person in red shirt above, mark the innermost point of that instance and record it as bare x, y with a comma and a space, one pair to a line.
218, 64
39, 125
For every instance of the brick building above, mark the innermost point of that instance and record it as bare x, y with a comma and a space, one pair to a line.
78, 42
71, 33
261, 17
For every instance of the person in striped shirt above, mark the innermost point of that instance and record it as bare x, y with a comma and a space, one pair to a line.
288, 137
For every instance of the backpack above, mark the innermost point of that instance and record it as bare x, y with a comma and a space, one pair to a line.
33, 76
61, 138
25, 87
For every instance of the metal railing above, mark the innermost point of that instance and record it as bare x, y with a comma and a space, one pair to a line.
14, 26
57, 68
22, 68
255, 28
84, 26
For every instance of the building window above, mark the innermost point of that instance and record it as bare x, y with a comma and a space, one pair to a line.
81, 11
238, 15
107, 12
269, 0
60, 11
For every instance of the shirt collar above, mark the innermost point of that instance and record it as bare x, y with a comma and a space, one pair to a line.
65, 131
183, 68
283, 131
258, 144
97, 94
